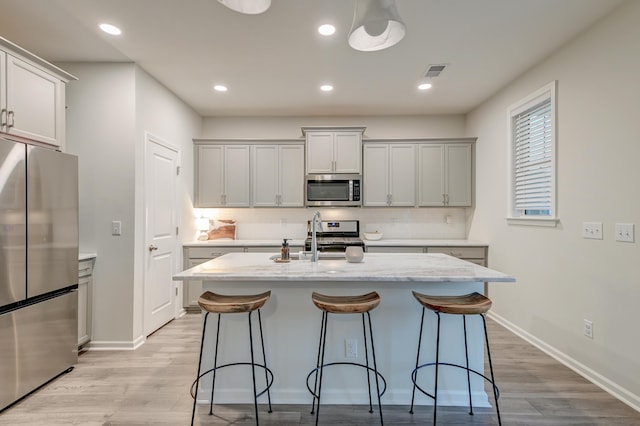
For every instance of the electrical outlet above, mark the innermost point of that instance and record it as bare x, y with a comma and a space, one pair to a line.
592, 230
588, 329
350, 348
624, 232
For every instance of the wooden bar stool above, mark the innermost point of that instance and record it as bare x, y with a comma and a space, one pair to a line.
213, 303
470, 304
345, 305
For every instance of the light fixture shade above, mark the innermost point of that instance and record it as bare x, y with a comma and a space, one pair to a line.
250, 7
376, 25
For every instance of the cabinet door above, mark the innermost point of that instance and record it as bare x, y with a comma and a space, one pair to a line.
236, 176
3, 90
83, 310
209, 183
458, 175
265, 175
431, 188
291, 176
320, 152
35, 102
376, 172
402, 175
347, 152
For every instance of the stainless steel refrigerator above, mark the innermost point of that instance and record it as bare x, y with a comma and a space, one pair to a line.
38, 267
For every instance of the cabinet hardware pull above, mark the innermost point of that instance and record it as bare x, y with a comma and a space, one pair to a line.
3, 121
10, 115
152, 247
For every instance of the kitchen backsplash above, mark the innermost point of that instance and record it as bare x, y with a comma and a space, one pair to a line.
394, 223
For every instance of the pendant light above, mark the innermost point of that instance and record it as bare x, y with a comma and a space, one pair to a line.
376, 25
249, 7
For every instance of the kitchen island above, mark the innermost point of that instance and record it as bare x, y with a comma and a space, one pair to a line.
292, 324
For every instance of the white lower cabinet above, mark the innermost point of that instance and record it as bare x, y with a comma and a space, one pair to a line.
85, 299
474, 254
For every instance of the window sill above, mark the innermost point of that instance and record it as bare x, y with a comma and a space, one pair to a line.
529, 221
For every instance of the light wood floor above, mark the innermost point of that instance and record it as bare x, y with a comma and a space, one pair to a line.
150, 386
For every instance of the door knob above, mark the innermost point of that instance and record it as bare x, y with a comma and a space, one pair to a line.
152, 247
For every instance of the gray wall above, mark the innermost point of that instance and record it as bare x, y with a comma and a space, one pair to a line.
597, 170
110, 108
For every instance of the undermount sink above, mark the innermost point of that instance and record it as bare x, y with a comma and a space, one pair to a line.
306, 256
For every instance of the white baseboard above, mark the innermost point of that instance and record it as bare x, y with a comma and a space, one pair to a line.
594, 377
107, 345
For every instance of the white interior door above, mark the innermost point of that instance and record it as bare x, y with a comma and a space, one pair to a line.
161, 178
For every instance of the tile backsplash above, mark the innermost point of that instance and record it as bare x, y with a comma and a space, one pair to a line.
394, 223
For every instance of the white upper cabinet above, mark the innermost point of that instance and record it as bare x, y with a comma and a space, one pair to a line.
389, 175
278, 175
445, 174
32, 96
222, 176
334, 151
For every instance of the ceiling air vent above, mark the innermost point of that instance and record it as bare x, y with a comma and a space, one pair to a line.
434, 70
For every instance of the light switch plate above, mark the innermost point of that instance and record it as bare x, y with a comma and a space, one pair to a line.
625, 232
592, 230
116, 227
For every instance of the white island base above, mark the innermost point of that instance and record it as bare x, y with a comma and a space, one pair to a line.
291, 325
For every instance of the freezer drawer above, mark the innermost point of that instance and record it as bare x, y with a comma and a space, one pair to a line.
37, 343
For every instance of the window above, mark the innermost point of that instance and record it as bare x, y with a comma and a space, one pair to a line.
532, 127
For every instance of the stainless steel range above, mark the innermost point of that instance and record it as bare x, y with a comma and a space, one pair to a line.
335, 235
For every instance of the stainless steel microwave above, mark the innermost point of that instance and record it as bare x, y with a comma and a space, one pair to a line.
340, 190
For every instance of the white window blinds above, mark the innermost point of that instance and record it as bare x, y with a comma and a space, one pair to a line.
533, 178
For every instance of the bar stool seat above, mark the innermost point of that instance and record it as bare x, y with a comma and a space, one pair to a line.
469, 304
346, 304
361, 304
213, 303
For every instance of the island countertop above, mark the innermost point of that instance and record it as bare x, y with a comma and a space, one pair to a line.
410, 267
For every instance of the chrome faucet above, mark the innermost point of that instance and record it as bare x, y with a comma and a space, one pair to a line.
314, 241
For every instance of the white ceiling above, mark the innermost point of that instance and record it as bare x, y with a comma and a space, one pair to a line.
274, 63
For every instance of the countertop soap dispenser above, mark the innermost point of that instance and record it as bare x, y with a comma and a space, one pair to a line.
285, 250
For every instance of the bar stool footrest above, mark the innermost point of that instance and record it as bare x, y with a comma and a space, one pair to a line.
414, 375
234, 364
315, 370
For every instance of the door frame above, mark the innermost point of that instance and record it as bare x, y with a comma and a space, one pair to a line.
150, 138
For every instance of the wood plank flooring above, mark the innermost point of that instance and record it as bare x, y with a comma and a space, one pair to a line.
150, 386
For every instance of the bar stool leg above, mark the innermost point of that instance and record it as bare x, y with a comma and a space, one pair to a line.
253, 370
264, 357
415, 379
315, 384
195, 398
215, 365
435, 392
366, 358
466, 354
375, 369
324, 341
493, 380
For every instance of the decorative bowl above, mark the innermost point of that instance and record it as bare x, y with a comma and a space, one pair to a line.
354, 254
373, 236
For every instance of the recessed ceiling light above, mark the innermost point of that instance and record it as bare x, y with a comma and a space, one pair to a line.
110, 29
220, 88
326, 87
326, 29
424, 86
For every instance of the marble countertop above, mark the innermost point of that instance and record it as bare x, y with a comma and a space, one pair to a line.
300, 242
419, 242
416, 267
86, 256
243, 243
